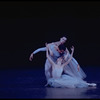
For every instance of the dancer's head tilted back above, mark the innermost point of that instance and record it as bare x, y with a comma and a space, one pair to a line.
63, 39
61, 49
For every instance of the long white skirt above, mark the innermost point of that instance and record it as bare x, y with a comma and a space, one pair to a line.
68, 82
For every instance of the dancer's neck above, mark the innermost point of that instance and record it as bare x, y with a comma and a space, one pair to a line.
57, 43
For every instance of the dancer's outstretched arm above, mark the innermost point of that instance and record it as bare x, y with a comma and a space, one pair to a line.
65, 57
40, 49
36, 51
47, 55
43, 48
48, 45
69, 58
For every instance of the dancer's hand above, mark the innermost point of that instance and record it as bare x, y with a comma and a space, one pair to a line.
72, 48
46, 44
31, 57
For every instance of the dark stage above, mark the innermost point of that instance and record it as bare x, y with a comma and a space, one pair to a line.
27, 25
30, 83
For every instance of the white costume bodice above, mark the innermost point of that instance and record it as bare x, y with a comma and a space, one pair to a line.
55, 52
57, 72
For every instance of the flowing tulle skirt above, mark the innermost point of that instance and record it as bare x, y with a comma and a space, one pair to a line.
67, 81
72, 69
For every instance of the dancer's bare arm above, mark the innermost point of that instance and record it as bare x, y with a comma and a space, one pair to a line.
43, 49
36, 51
47, 55
48, 45
65, 57
69, 58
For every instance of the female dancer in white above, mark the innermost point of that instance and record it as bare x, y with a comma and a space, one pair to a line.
62, 80
72, 68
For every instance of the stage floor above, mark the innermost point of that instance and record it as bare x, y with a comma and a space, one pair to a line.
30, 83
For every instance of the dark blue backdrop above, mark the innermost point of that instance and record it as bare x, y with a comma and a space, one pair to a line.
26, 26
